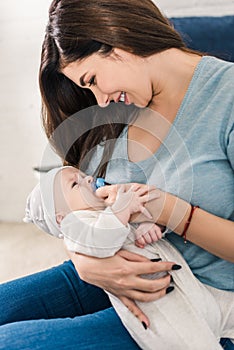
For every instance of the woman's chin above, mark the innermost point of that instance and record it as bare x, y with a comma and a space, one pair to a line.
140, 105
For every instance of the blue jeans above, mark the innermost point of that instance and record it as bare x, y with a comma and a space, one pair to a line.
54, 309
227, 344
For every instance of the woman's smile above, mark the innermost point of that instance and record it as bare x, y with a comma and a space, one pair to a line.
119, 77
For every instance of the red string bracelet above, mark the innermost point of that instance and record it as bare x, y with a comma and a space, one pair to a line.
188, 222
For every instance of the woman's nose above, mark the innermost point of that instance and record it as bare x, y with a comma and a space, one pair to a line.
102, 99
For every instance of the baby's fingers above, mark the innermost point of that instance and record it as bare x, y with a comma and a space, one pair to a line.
157, 231
153, 234
150, 196
132, 306
150, 236
144, 211
145, 190
140, 242
121, 188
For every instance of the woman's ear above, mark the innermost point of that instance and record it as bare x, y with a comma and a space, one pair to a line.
124, 56
120, 54
59, 217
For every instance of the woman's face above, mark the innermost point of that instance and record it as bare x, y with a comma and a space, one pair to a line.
119, 76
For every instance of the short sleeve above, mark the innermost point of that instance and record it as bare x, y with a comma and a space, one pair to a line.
230, 148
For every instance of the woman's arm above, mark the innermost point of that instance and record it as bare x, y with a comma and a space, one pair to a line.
121, 276
208, 231
212, 233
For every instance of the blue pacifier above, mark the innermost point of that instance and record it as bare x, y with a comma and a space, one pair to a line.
99, 182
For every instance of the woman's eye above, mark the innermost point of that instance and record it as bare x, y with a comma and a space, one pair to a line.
74, 184
92, 81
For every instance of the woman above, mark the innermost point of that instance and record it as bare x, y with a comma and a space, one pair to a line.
98, 49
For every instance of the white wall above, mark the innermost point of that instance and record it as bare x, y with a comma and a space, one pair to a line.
22, 26
182, 8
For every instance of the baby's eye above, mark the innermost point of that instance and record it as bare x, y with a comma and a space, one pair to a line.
92, 81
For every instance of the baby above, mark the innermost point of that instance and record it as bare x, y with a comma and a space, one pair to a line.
90, 224
66, 204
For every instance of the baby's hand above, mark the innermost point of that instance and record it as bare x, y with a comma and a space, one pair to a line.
146, 233
132, 201
109, 193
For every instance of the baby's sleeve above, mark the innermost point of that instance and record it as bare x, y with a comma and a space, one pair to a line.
98, 234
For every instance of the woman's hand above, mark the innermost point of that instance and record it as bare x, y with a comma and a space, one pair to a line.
121, 276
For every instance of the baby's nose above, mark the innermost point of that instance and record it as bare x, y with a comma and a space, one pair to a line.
89, 179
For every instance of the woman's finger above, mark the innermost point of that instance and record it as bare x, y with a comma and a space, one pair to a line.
132, 306
147, 297
133, 257
149, 267
145, 283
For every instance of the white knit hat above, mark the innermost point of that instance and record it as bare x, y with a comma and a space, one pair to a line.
40, 208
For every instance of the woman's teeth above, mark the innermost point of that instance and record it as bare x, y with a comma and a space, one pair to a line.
122, 97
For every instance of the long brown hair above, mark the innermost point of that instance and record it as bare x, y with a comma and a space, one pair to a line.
79, 28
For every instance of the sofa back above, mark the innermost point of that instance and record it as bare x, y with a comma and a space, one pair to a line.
212, 35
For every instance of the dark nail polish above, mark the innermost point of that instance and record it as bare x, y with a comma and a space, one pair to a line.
169, 289
144, 324
156, 260
171, 279
176, 267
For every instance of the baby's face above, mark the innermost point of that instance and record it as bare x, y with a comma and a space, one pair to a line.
74, 190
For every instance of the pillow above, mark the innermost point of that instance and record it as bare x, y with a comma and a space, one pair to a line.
211, 35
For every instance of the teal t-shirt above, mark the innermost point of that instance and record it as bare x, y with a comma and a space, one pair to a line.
194, 162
